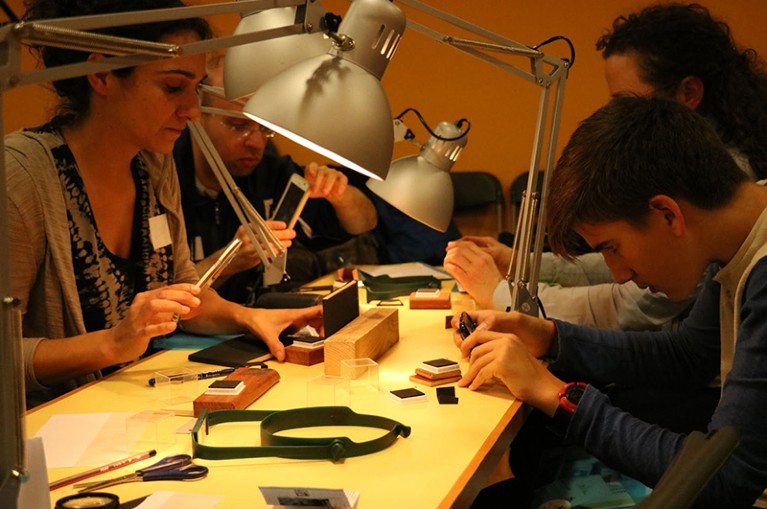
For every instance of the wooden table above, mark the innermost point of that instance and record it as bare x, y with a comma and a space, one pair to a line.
448, 458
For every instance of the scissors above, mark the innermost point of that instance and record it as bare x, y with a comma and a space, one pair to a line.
171, 468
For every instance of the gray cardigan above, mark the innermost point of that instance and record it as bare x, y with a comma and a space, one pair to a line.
42, 274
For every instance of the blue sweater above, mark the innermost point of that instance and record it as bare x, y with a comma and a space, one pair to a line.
689, 356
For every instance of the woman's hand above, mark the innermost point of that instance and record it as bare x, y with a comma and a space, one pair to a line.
151, 314
268, 324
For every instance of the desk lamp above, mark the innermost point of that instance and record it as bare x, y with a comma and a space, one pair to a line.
550, 74
340, 92
420, 185
265, 59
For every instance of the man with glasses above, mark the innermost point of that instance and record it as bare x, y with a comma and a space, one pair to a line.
339, 212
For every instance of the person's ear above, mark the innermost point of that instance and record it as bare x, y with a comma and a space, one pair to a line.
690, 92
98, 80
668, 210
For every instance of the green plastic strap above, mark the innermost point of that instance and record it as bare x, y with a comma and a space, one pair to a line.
386, 287
272, 421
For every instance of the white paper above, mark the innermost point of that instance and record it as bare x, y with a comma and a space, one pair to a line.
282, 496
173, 500
159, 232
72, 440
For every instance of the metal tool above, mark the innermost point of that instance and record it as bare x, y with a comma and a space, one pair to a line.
171, 468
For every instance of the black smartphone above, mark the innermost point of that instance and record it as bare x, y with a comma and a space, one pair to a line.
292, 201
466, 325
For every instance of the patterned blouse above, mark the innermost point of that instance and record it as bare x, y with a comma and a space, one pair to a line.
107, 283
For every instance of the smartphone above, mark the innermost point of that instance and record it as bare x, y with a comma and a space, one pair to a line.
292, 201
466, 325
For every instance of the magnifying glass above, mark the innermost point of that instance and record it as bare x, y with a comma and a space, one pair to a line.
89, 501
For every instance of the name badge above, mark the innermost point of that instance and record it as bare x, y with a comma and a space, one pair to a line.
159, 232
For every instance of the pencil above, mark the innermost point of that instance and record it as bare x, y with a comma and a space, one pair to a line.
100, 470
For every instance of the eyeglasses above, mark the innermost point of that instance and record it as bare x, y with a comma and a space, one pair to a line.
246, 128
237, 123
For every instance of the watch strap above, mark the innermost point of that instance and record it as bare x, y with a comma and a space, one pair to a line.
569, 397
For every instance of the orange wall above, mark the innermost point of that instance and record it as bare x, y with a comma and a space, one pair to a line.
444, 84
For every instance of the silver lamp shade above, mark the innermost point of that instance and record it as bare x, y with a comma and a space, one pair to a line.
249, 66
319, 101
420, 185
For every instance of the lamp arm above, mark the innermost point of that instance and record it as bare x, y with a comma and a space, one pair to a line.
548, 73
310, 18
270, 250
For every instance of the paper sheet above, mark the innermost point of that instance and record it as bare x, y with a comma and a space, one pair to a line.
173, 500
73, 440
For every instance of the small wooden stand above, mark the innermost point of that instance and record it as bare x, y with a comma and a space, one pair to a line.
435, 379
304, 356
257, 381
441, 301
369, 335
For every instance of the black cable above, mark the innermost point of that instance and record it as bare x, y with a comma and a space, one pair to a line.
8, 11
458, 124
571, 60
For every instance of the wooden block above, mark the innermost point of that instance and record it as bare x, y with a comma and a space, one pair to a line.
441, 301
433, 383
348, 274
367, 336
437, 376
257, 381
304, 356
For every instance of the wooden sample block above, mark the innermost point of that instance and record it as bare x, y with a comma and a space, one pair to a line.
304, 356
440, 301
257, 381
434, 382
438, 376
367, 336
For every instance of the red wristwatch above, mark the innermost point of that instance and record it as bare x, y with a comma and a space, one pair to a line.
569, 397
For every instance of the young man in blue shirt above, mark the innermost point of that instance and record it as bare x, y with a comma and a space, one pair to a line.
648, 183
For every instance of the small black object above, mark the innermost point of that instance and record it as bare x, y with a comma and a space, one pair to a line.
407, 393
237, 352
446, 396
440, 363
466, 325
225, 384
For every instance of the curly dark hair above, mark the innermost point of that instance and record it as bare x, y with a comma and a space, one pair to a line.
674, 41
75, 93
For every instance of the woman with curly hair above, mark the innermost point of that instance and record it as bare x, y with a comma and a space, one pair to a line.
683, 52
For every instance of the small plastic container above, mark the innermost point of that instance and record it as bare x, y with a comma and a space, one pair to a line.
327, 391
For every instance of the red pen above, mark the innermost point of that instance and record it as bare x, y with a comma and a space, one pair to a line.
100, 470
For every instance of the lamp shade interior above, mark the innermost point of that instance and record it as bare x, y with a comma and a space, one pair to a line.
333, 107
